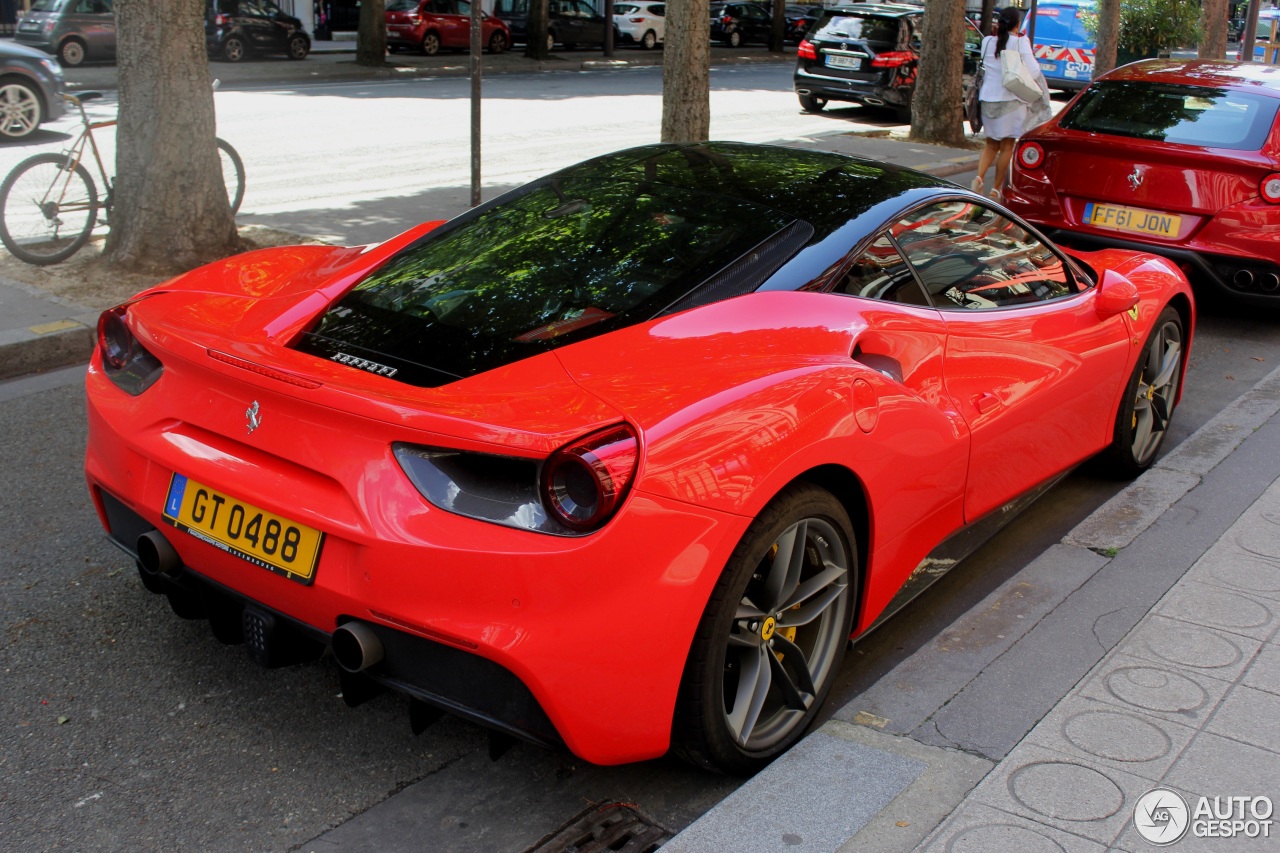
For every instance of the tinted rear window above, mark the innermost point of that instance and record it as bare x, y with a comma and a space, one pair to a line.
567, 260
1188, 115
45, 5
840, 26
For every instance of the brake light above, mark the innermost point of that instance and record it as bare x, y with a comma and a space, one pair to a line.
807, 50
1030, 155
220, 19
893, 59
1270, 188
726, 20
125, 361
584, 483
415, 18
636, 20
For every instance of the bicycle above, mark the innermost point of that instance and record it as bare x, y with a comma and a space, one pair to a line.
49, 203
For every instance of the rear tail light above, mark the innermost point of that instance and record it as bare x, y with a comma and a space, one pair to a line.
585, 482
807, 50
415, 19
726, 20
636, 20
220, 20
125, 361
893, 59
1270, 188
1030, 155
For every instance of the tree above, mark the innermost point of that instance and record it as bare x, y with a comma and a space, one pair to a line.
170, 209
778, 32
686, 72
937, 110
1106, 27
371, 41
1213, 23
1145, 28
535, 46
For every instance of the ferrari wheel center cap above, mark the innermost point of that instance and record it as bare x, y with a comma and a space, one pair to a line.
767, 628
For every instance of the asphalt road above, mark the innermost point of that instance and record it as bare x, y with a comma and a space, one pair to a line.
128, 728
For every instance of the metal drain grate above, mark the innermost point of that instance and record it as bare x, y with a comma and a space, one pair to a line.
606, 828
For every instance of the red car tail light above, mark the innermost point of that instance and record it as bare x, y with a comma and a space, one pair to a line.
726, 20
1030, 155
415, 18
893, 59
220, 20
806, 50
1270, 188
584, 483
125, 361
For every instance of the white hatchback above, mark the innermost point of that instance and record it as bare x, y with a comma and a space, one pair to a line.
640, 23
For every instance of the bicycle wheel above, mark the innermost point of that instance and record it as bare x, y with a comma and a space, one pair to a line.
47, 209
232, 174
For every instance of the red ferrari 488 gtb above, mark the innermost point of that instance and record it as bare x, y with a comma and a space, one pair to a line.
620, 460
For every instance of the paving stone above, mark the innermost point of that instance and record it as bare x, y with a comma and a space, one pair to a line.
1172, 641
1161, 690
1264, 671
1252, 716
976, 828
1214, 607
1218, 766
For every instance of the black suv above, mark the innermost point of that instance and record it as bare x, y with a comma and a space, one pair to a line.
235, 29
868, 53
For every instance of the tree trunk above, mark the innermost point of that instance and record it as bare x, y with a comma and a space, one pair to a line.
777, 35
686, 72
536, 39
937, 111
986, 18
371, 41
170, 209
1213, 30
1104, 56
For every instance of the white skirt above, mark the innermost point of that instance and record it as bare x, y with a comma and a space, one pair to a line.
1003, 119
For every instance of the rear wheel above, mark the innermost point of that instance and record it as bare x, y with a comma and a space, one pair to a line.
497, 42
233, 49
47, 209
431, 44
1149, 398
734, 39
551, 41
649, 40
71, 53
772, 636
812, 103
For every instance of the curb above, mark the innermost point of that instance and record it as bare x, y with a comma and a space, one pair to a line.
63, 339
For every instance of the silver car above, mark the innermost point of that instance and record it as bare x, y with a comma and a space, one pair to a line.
31, 88
73, 30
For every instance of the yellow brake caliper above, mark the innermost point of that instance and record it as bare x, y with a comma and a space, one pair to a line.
770, 626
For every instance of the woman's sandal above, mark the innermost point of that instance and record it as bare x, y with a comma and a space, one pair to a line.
976, 185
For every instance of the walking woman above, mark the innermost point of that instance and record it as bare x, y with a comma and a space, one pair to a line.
1004, 115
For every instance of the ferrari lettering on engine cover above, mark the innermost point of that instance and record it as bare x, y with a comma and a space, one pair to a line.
364, 364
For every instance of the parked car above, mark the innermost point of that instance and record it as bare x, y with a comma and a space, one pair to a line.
737, 23
237, 29
474, 462
868, 53
1267, 18
569, 22
1063, 47
31, 88
640, 23
1170, 156
433, 25
799, 20
72, 30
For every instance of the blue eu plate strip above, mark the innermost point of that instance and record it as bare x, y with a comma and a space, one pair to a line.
176, 490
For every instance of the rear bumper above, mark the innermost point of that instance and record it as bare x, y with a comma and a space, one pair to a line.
872, 92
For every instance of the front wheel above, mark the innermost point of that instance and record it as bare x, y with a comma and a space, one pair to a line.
47, 209
20, 108
771, 639
299, 47
232, 174
1149, 399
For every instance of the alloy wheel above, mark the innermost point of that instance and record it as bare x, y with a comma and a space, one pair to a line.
1157, 390
19, 110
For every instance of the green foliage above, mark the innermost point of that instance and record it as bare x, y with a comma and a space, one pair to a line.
1149, 26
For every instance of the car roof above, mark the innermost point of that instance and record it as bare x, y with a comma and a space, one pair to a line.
894, 10
1250, 76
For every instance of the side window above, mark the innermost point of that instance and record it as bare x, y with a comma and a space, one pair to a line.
969, 256
658, 10
881, 273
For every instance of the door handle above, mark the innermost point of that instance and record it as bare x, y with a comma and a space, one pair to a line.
986, 402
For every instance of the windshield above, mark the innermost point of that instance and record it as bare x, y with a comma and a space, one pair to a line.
568, 259
1189, 115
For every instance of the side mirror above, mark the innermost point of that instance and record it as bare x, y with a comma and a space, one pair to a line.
1116, 294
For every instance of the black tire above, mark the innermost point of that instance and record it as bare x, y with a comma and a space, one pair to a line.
299, 46
21, 109
734, 39
234, 49
47, 211
71, 53
431, 43
1149, 398
232, 173
649, 40
498, 42
551, 42
812, 103
752, 684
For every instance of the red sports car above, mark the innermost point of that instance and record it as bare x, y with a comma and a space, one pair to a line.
621, 459
1168, 156
435, 25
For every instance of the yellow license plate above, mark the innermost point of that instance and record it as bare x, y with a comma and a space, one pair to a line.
265, 539
1133, 219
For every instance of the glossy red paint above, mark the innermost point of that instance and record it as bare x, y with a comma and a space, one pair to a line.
448, 23
1225, 225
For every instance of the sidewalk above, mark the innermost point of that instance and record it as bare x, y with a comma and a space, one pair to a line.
1184, 705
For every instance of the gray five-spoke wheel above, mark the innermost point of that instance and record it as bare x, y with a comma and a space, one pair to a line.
1157, 390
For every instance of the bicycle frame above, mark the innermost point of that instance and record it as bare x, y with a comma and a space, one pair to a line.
75, 156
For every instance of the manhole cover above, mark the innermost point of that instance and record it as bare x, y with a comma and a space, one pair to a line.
606, 828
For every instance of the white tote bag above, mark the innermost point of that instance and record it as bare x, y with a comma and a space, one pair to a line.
1017, 77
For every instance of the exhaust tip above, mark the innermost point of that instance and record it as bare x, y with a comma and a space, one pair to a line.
155, 555
356, 647
1269, 283
1243, 279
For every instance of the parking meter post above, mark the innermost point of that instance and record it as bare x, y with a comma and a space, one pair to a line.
475, 102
